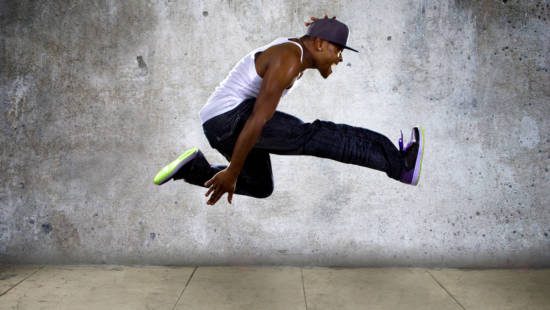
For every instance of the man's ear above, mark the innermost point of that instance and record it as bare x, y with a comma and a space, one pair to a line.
318, 44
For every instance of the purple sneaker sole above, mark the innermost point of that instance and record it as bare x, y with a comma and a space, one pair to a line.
412, 176
419, 157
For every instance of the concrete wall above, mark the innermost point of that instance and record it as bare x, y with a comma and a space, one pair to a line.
98, 95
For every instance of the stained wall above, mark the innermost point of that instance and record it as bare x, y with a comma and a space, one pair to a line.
98, 95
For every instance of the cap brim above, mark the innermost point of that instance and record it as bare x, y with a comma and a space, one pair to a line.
349, 48
343, 46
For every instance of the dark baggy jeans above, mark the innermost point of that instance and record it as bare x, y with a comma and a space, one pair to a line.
285, 134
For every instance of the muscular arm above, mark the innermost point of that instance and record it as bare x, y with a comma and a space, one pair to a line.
277, 77
280, 72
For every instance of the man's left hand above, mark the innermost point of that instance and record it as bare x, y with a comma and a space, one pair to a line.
223, 182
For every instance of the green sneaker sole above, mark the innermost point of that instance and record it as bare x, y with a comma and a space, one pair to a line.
166, 173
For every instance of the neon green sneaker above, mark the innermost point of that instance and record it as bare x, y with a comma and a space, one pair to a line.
166, 173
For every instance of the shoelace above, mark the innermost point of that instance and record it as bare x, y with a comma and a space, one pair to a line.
401, 141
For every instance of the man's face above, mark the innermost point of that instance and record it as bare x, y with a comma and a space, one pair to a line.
330, 55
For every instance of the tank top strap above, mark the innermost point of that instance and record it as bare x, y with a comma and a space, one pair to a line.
301, 49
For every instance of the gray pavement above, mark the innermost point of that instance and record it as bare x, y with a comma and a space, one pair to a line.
285, 288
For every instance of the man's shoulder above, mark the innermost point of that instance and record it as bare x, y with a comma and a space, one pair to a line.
285, 59
283, 64
290, 51
286, 52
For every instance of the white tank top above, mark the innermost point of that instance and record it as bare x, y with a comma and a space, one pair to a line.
243, 82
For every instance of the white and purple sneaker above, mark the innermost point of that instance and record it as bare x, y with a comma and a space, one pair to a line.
413, 156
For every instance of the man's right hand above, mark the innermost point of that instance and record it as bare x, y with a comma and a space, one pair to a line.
223, 182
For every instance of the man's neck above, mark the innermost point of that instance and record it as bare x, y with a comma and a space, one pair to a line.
307, 59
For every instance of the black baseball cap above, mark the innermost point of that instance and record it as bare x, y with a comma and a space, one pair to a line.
331, 30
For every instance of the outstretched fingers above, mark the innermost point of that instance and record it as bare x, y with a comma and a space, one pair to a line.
210, 188
215, 196
209, 182
221, 183
209, 191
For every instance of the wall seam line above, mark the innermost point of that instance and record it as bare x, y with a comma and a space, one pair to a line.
186, 284
448, 293
303, 286
4, 293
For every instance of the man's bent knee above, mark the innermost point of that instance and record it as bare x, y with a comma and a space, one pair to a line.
264, 191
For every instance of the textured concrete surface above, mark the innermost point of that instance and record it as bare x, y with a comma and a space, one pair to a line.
497, 289
99, 95
348, 289
275, 288
11, 276
254, 287
97, 287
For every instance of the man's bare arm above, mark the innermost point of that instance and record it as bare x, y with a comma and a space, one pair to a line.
280, 72
276, 79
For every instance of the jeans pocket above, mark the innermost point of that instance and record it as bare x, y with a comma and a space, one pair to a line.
229, 128
224, 137
225, 128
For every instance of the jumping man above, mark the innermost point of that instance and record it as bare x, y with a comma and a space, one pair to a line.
241, 122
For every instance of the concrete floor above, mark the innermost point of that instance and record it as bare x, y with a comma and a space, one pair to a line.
123, 287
